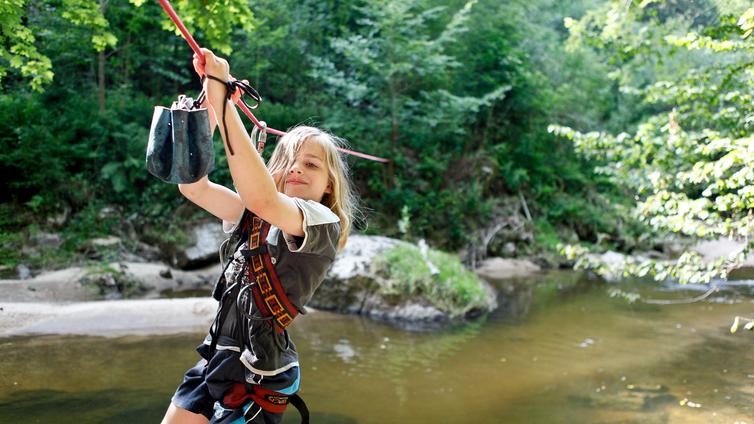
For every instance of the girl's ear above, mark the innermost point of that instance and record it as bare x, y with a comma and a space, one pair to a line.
328, 189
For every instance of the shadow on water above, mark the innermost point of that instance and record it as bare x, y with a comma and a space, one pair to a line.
106, 406
517, 296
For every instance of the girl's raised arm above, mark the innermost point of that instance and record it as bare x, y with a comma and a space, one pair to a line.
218, 200
255, 185
214, 198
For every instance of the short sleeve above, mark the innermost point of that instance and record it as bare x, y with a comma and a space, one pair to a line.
321, 230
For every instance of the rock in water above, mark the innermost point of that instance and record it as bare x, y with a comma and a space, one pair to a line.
495, 269
362, 281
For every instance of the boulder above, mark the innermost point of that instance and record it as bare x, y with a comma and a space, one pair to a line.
50, 240
107, 318
711, 250
99, 248
495, 269
146, 252
356, 285
24, 273
110, 212
349, 282
611, 264
130, 279
106, 242
205, 242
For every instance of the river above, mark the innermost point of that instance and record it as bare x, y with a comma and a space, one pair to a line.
558, 350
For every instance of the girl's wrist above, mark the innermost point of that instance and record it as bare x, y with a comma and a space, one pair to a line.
217, 92
216, 101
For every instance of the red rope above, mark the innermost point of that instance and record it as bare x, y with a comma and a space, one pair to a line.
195, 47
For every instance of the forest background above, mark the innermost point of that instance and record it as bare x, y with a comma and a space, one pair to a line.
607, 124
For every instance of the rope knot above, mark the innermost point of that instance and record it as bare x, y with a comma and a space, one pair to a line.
233, 87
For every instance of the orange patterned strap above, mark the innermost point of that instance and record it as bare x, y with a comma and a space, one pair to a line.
269, 400
269, 295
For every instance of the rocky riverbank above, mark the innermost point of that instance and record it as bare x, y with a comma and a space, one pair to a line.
426, 287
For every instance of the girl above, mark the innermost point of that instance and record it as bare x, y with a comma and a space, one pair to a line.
288, 220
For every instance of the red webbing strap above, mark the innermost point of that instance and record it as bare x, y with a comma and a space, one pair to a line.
195, 47
269, 400
269, 295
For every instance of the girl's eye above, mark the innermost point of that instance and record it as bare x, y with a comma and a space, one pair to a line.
311, 165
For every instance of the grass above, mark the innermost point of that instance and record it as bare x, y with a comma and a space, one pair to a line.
18, 226
106, 279
453, 289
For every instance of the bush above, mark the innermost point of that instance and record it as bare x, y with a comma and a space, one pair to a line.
451, 288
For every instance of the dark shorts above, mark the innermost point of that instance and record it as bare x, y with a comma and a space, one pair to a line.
193, 395
198, 393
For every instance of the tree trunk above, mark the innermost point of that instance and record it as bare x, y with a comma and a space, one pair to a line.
390, 177
127, 59
487, 126
101, 67
101, 81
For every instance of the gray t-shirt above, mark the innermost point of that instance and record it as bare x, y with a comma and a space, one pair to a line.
301, 264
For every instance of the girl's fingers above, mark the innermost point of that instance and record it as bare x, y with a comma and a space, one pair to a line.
215, 65
238, 93
198, 65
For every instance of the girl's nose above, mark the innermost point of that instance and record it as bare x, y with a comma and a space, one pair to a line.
295, 170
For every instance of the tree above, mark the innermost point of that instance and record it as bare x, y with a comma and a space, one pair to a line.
690, 159
17, 41
394, 67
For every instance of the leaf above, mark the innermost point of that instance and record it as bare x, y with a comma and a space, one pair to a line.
734, 327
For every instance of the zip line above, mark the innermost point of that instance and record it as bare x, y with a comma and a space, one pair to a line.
198, 50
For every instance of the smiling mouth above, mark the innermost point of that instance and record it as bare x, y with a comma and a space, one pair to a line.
295, 182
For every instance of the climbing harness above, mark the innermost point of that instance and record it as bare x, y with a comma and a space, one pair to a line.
269, 400
263, 290
195, 47
261, 299
268, 293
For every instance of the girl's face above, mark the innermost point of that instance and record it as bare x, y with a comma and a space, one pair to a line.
308, 176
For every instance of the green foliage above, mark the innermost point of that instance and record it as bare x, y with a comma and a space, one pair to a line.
394, 64
112, 280
457, 95
690, 161
19, 22
17, 48
546, 235
89, 14
451, 287
214, 20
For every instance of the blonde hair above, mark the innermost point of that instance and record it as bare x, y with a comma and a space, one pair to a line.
341, 200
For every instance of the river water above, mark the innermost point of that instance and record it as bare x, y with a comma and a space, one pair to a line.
558, 350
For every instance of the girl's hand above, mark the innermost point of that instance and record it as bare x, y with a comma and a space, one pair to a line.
218, 68
238, 93
215, 66
198, 66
